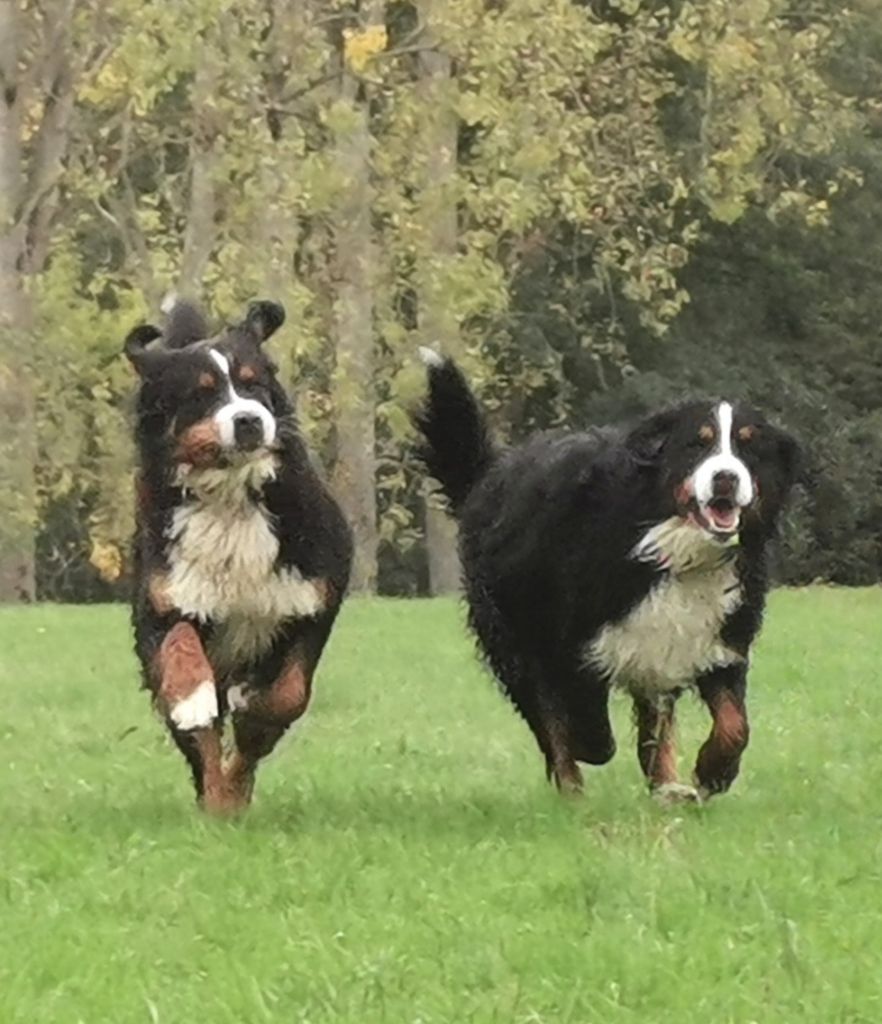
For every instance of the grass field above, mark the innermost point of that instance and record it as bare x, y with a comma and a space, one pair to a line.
405, 862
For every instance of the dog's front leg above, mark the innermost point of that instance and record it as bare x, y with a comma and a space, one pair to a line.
187, 697
724, 691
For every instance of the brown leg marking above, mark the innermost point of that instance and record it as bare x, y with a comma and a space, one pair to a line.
157, 591
263, 720
720, 757
181, 665
216, 797
326, 591
567, 776
560, 765
656, 745
187, 698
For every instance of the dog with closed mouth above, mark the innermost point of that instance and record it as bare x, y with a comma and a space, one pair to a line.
241, 556
633, 559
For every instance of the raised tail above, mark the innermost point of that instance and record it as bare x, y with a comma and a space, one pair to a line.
457, 450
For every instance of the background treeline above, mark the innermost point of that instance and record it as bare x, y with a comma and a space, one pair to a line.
597, 206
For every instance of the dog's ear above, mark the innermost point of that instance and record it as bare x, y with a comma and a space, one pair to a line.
789, 458
264, 318
648, 439
780, 465
793, 459
136, 347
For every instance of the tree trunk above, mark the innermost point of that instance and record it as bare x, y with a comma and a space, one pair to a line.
441, 549
17, 420
354, 476
438, 219
200, 232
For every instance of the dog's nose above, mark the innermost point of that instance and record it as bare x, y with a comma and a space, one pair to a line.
725, 484
248, 431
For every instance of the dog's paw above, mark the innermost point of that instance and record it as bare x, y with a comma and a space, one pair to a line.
670, 793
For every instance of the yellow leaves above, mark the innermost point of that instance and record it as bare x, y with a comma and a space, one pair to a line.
396, 419
32, 118
818, 214
108, 86
727, 208
733, 55
107, 560
360, 46
685, 38
814, 212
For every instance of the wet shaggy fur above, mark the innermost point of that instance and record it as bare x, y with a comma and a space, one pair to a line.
589, 563
241, 556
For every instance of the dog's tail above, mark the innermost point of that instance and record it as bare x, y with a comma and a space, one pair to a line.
457, 449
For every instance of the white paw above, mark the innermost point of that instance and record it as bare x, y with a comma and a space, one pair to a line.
198, 710
671, 793
237, 698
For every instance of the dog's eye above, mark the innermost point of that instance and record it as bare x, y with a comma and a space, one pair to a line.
703, 438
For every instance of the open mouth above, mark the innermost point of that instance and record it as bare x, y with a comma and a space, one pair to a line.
720, 517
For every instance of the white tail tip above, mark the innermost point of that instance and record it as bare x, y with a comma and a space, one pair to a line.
169, 303
430, 357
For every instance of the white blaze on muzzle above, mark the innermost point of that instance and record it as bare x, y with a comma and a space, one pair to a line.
723, 460
238, 407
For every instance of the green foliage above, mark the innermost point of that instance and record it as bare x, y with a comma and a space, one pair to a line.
599, 147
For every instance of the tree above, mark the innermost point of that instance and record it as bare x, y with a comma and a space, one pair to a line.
436, 254
45, 55
16, 403
354, 396
524, 184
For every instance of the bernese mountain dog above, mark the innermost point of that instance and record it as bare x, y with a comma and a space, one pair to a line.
241, 556
633, 559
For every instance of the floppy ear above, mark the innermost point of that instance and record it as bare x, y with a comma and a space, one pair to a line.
781, 465
792, 458
647, 440
264, 318
140, 356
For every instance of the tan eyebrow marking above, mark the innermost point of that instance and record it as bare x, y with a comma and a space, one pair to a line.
207, 380
706, 433
246, 373
745, 434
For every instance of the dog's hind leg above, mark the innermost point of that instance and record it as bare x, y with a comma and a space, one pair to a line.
554, 736
261, 715
586, 699
568, 711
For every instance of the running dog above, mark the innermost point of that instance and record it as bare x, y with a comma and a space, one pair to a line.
241, 556
634, 559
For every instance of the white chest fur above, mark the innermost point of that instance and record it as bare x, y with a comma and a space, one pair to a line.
673, 634
222, 567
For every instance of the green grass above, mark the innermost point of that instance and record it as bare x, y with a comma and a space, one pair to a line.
404, 860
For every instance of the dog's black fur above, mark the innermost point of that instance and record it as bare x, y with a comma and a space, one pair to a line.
553, 547
241, 556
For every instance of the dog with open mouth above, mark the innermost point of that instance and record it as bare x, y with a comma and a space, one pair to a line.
241, 555
633, 559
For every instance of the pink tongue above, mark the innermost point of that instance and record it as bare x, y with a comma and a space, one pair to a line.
724, 519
